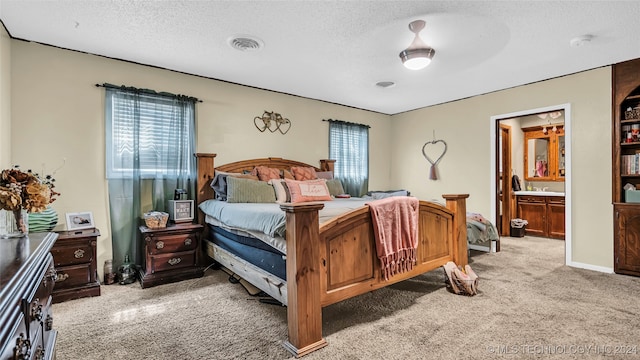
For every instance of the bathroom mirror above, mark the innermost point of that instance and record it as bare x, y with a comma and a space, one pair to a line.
537, 158
544, 158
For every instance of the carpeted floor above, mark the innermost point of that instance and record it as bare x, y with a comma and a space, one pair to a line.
529, 306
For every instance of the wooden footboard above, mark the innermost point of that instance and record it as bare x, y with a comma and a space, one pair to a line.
338, 260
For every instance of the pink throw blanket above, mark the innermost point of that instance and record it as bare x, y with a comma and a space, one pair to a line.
395, 225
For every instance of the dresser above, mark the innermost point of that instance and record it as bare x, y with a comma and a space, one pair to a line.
27, 277
74, 255
170, 254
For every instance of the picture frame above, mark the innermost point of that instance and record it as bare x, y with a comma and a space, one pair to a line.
80, 220
181, 211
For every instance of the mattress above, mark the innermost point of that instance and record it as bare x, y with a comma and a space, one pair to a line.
255, 231
251, 249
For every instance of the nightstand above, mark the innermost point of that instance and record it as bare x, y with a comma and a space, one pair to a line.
170, 254
74, 256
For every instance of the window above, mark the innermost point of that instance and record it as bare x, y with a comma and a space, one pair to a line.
150, 142
349, 146
154, 130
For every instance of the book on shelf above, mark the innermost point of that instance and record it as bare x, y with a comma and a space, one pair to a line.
630, 164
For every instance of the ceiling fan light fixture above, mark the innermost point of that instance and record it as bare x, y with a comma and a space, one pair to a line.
418, 55
417, 59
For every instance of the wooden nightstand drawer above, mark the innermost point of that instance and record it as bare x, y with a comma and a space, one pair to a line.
166, 244
171, 254
74, 255
72, 276
80, 254
173, 261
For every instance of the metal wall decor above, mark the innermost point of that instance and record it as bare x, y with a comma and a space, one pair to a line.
272, 121
433, 175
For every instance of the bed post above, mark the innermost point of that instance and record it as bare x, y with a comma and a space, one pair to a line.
205, 166
327, 165
457, 204
304, 310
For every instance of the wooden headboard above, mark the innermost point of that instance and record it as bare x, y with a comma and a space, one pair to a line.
206, 170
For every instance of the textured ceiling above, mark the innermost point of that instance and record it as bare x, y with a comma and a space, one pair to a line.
337, 51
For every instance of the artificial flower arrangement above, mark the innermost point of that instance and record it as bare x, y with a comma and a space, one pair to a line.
25, 190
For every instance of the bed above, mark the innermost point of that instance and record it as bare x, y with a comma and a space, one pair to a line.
325, 262
482, 234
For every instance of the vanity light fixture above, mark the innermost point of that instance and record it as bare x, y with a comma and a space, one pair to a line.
553, 128
418, 55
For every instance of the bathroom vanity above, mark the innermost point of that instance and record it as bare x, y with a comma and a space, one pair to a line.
544, 212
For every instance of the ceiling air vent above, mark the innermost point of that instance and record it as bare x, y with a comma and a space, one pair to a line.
245, 43
385, 84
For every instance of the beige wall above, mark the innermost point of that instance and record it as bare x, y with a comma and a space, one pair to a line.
58, 113
465, 168
5, 99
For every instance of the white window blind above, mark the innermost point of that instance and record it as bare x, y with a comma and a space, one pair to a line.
349, 146
151, 130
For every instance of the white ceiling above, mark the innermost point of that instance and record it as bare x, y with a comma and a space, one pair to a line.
337, 51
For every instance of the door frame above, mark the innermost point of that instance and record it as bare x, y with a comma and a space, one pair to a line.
494, 121
503, 155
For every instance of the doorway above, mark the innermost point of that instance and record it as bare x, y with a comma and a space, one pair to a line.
503, 203
504, 178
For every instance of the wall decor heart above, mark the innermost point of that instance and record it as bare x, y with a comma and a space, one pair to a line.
434, 144
285, 124
272, 121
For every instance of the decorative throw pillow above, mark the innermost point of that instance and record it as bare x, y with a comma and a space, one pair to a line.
249, 191
266, 173
325, 175
251, 172
302, 173
309, 190
286, 174
335, 187
219, 182
282, 190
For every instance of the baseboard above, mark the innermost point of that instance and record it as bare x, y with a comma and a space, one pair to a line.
580, 265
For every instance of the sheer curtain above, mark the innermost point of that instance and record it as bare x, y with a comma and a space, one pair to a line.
150, 153
349, 146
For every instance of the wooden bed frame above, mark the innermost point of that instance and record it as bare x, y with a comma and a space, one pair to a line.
336, 261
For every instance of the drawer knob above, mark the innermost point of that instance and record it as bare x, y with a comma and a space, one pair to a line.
22, 350
36, 310
52, 275
48, 323
160, 245
62, 277
39, 355
174, 261
79, 254
187, 242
